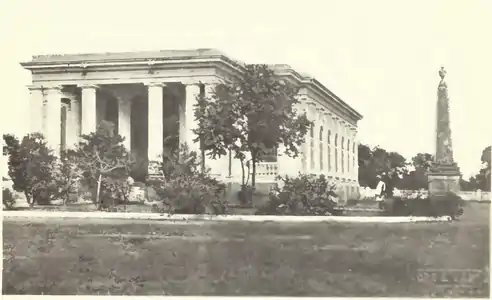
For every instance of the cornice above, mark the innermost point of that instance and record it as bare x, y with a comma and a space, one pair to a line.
161, 60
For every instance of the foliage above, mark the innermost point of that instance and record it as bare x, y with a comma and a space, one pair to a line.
254, 115
8, 199
304, 195
392, 166
68, 176
106, 164
183, 188
417, 178
445, 205
31, 167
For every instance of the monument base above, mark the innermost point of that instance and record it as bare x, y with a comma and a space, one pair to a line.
443, 179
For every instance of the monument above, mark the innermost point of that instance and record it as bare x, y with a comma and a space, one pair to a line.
444, 175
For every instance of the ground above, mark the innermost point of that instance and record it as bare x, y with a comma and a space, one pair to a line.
62, 256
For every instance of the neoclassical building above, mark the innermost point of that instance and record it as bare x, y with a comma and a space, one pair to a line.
149, 96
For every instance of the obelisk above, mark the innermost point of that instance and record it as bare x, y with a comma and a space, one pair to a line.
444, 175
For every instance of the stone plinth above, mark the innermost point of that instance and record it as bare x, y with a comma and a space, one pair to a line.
444, 178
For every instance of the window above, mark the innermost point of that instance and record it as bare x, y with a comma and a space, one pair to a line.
342, 154
321, 148
329, 149
336, 153
312, 146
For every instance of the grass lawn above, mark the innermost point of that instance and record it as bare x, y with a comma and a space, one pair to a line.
70, 256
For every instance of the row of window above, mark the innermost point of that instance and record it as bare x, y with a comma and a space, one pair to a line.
349, 146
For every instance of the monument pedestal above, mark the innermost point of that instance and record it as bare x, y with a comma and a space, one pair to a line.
443, 179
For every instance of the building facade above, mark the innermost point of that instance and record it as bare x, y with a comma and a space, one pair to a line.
149, 96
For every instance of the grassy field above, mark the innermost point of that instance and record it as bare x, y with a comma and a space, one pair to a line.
55, 256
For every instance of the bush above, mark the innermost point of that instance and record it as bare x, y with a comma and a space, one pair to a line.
8, 199
31, 166
445, 205
183, 189
307, 195
106, 164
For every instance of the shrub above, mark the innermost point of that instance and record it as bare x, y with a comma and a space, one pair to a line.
68, 175
106, 164
449, 204
304, 195
31, 166
183, 189
8, 199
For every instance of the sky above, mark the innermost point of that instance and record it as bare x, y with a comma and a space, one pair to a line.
381, 57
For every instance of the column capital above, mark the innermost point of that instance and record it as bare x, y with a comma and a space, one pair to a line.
52, 89
87, 86
35, 87
154, 84
191, 81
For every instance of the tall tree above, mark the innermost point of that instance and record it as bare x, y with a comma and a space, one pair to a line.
392, 166
416, 178
483, 176
262, 116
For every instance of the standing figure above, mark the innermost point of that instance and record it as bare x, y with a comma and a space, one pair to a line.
380, 191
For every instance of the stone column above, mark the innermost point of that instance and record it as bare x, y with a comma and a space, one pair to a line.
326, 154
124, 121
88, 108
53, 118
317, 128
156, 127
338, 168
74, 126
356, 156
186, 131
36, 103
310, 159
329, 143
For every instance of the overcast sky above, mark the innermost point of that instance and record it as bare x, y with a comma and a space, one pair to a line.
381, 57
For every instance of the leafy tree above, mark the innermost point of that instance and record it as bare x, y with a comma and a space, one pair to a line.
483, 176
377, 161
31, 167
106, 162
417, 178
254, 115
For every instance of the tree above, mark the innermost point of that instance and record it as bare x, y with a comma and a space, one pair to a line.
377, 161
483, 176
417, 178
106, 162
253, 114
31, 167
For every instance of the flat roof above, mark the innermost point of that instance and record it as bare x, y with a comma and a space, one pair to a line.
163, 55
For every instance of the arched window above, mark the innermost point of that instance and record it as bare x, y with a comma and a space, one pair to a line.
321, 162
336, 152
311, 146
328, 141
348, 156
342, 154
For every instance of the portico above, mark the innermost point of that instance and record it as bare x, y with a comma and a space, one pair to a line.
150, 98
